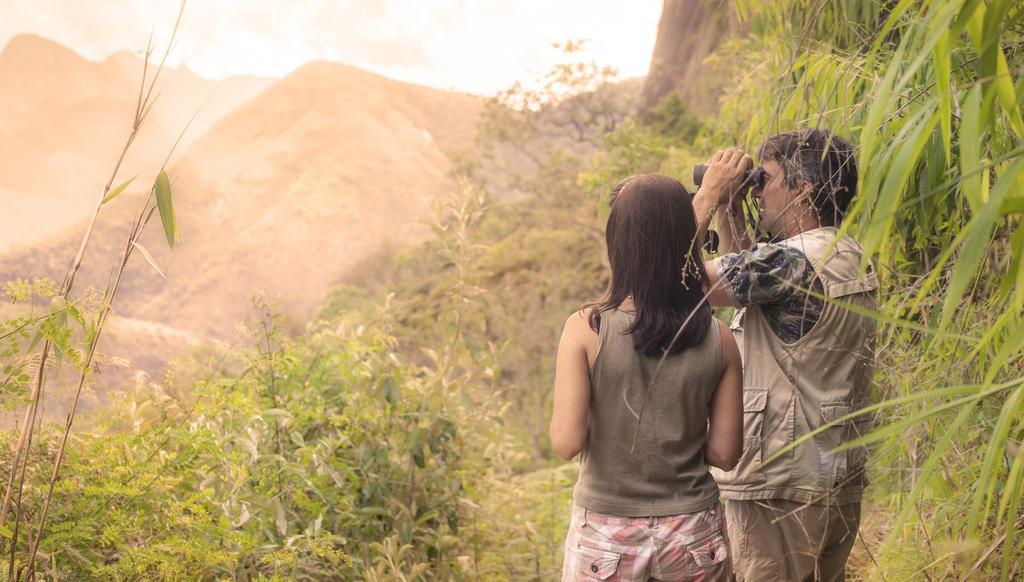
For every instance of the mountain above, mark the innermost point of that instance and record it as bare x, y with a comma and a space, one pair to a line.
64, 120
688, 33
282, 196
285, 194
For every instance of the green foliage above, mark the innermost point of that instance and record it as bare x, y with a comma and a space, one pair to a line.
402, 436
537, 261
329, 455
672, 120
162, 191
43, 315
929, 92
116, 191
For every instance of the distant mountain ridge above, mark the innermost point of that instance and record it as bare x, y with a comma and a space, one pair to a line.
281, 195
64, 119
284, 194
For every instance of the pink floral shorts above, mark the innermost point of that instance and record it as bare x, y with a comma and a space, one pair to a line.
689, 546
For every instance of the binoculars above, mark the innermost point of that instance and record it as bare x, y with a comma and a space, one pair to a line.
754, 178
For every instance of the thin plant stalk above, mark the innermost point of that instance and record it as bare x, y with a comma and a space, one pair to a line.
139, 226
19, 465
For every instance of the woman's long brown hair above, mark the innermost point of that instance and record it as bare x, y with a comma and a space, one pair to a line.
655, 258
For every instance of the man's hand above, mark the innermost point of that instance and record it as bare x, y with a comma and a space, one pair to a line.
722, 186
724, 178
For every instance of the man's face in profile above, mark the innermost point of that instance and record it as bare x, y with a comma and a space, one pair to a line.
778, 204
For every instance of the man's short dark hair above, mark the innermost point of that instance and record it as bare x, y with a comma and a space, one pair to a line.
824, 160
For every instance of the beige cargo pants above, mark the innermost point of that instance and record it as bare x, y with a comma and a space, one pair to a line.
773, 540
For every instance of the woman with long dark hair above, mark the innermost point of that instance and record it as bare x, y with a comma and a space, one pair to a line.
648, 387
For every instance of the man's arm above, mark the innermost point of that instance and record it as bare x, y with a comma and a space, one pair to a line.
766, 274
732, 228
732, 238
721, 185
719, 296
720, 188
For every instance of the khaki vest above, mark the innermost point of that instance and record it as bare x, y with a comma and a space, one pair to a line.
792, 389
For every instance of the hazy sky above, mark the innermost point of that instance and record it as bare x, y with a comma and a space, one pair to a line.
472, 45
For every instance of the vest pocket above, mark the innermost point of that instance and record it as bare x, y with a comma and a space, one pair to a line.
840, 466
750, 467
857, 457
832, 462
846, 464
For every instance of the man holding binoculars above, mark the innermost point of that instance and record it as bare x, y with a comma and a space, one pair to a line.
807, 359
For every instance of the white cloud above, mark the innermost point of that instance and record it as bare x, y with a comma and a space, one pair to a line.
470, 45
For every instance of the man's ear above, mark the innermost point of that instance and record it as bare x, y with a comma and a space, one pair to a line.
804, 194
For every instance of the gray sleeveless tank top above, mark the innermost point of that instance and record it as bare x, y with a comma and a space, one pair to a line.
666, 473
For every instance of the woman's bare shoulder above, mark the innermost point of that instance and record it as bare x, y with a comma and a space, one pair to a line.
578, 323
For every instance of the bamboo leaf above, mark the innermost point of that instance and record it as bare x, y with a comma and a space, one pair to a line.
890, 23
930, 280
984, 29
166, 207
911, 143
59, 309
121, 188
1009, 505
943, 65
970, 149
1007, 94
995, 65
1012, 347
82, 322
995, 330
943, 16
973, 390
985, 485
904, 423
149, 259
931, 467
1013, 205
964, 17
1016, 272
973, 250
873, 124
35, 340
884, 317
